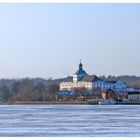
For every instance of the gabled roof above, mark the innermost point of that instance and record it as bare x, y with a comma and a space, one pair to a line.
68, 79
86, 78
89, 78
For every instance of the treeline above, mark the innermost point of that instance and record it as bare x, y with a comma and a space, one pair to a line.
39, 89
28, 90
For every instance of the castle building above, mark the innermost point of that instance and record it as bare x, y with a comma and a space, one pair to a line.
90, 83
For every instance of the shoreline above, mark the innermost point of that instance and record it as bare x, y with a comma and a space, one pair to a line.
43, 103
61, 103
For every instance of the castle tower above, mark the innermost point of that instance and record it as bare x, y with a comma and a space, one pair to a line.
80, 66
79, 73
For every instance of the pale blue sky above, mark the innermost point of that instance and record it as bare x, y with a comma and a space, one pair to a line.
48, 40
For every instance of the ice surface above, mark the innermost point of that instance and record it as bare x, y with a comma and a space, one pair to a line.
70, 120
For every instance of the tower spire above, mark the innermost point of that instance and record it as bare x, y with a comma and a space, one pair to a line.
80, 65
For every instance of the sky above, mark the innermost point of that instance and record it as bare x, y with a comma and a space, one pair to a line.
48, 40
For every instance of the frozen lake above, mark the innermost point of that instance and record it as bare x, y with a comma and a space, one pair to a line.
70, 120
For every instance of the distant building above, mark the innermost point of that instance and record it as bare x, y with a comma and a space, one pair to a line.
133, 95
90, 83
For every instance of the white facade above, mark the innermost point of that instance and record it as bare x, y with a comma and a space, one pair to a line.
75, 85
75, 78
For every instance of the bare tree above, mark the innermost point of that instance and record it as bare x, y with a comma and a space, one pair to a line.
53, 90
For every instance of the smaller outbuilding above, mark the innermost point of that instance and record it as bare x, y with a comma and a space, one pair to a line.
108, 94
134, 95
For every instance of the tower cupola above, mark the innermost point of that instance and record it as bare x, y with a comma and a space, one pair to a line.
80, 66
